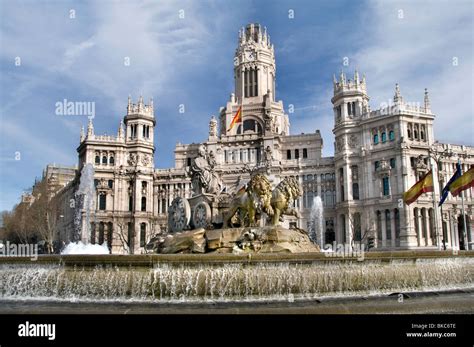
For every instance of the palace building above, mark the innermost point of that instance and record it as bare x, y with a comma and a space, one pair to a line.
378, 155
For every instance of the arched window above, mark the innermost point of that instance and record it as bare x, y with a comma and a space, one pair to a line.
391, 135
388, 225
110, 232
355, 191
422, 133
104, 159
251, 125
130, 203
111, 161
379, 226
97, 159
102, 201
357, 226
384, 137
143, 204
376, 139
310, 199
288, 154
101, 232
396, 215
142, 234
111, 184
93, 233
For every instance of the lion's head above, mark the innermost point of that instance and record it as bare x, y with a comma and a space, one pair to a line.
260, 185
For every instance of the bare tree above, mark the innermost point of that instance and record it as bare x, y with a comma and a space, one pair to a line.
121, 232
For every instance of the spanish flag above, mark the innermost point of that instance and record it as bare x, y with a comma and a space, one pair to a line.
237, 118
424, 185
464, 182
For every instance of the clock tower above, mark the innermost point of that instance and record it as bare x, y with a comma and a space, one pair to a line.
254, 95
254, 64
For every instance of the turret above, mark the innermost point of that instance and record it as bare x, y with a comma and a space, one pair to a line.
350, 98
139, 121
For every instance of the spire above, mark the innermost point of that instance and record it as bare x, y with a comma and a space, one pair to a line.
342, 78
82, 133
150, 106
427, 101
334, 80
243, 35
120, 129
397, 98
90, 128
140, 104
356, 77
129, 105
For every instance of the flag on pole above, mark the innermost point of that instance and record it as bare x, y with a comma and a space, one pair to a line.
424, 185
237, 118
445, 191
464, 182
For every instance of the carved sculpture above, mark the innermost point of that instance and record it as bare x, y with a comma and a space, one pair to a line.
251, 201
283, 197
203, 177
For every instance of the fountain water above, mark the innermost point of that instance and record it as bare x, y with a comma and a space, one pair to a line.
316, 232
84, 199
187, 281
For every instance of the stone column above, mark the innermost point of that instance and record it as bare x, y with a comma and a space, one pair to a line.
348, 230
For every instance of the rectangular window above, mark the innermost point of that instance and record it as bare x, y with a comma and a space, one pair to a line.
246, 83
297, 153
386, 186
102, 202
188, 162
288, 154
251, 83
305, 153
392, 163
163, 206
130, 203
256, 82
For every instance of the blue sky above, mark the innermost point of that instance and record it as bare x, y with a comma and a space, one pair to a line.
189, 61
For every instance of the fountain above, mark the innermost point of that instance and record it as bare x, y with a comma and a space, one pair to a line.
316, 232
84, 198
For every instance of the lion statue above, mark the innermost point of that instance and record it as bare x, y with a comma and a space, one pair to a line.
282, 199
251, 200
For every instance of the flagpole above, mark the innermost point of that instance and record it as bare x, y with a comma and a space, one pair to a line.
435, 209
464, 232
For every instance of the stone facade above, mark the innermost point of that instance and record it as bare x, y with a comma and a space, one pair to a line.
378, 155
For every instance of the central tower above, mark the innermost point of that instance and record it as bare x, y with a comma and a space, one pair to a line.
254, 94
254, 64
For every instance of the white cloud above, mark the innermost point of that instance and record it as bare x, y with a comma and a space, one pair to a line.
417, 52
